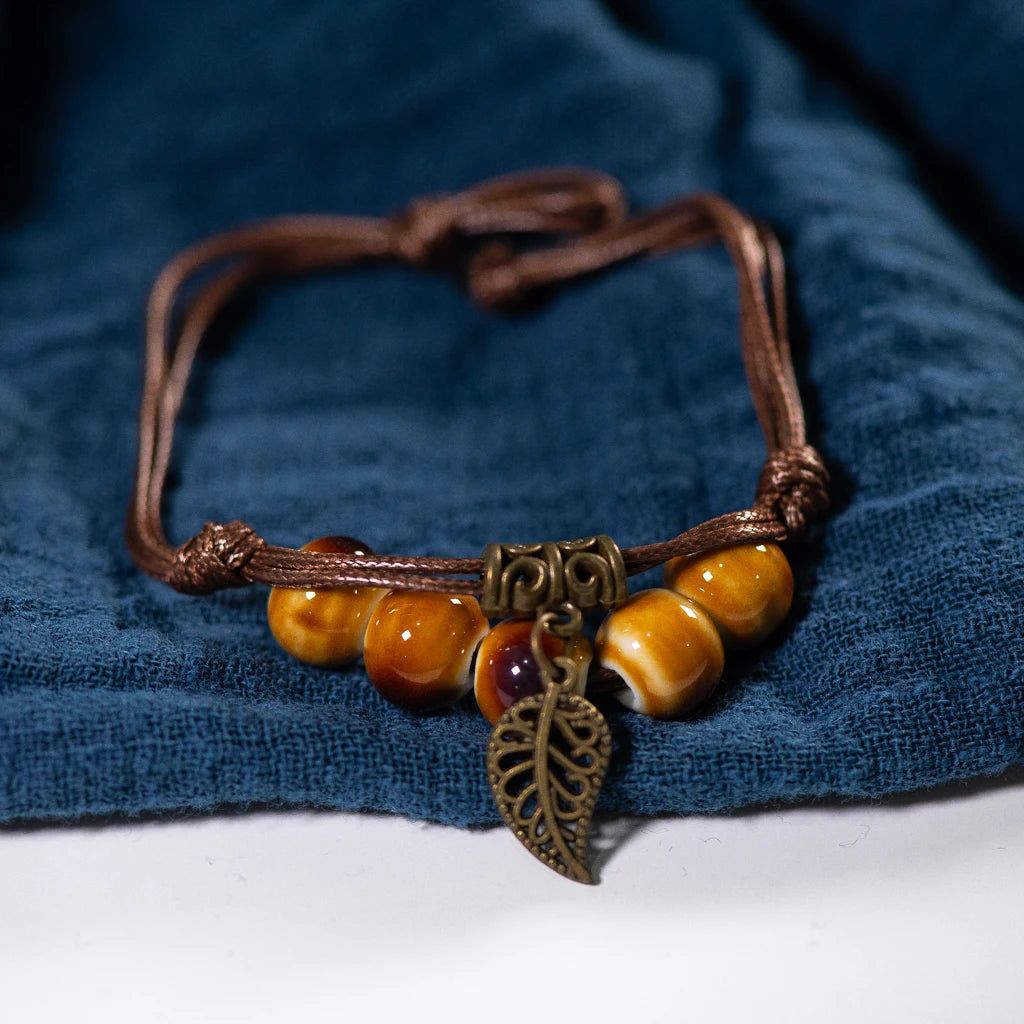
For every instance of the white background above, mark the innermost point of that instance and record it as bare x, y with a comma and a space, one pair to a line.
909, 910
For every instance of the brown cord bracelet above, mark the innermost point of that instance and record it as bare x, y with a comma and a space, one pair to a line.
549, 749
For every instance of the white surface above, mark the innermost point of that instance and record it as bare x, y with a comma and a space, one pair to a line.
910, 911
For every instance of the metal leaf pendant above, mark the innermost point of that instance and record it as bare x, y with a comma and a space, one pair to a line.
546, 761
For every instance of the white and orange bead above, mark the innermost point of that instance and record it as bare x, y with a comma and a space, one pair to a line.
666, 650
419, 647
747, 589
324, 627
506, 670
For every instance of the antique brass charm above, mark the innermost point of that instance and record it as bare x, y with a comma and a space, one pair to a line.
547, 758
520, 579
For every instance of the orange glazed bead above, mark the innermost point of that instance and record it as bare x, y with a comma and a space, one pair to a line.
666, 649
745, 588
506, 670
419, 646
324, 627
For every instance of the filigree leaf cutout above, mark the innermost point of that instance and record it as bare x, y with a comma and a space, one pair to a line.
546, 761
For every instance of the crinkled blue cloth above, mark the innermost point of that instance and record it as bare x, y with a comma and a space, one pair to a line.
884, 144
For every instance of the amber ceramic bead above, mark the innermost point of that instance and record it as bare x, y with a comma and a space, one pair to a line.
506, 670
666, 649
745, 588
419, 646
324, 627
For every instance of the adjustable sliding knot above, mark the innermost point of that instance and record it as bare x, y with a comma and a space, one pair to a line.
430, 231
215, 557
793, 486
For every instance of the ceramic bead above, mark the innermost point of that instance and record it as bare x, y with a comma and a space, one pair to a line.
419, 647
324, 627
666, 649
745, 588
506, 670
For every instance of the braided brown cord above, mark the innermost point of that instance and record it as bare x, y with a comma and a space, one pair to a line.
432, 233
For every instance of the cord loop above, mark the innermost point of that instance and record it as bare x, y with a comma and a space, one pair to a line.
467, 232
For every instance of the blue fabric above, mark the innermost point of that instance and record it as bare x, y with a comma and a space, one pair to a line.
952, 72
382, 404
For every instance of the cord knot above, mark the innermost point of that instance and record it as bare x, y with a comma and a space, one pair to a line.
494, 278
215, 557
430, 232
426, 231
793, 486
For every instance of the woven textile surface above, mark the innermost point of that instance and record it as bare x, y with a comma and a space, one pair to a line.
381, 403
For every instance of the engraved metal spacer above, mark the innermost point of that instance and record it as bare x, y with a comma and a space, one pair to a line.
519, 579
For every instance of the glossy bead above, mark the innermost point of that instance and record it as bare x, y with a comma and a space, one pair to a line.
745, 588
419, 646
324, 627
506, 670
666, 649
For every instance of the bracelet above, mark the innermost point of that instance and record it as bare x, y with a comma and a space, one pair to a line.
420, 623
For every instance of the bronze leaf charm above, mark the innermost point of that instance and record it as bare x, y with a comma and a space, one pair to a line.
546, 760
